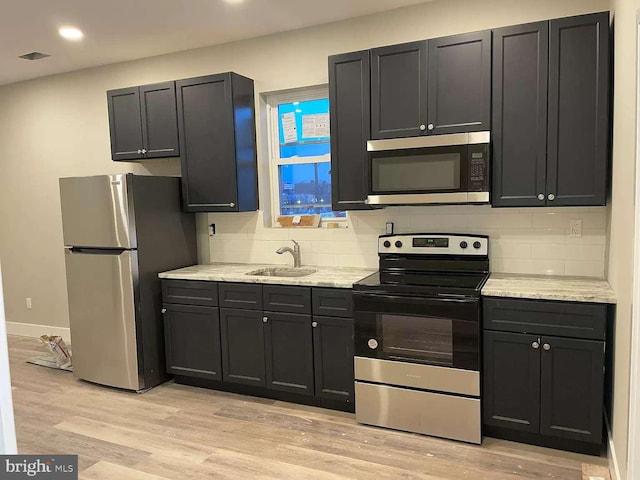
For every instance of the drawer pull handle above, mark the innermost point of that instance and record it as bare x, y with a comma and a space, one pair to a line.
164, 310
314, 324
265, 319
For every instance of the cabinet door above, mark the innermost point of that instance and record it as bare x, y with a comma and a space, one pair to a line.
125, 124
578, 110
399, 90
349, 107
242, 339
192, 341
333, 357
207, 145
572, 381
289, 352
519, 123
460, 83
511, 381
159, 120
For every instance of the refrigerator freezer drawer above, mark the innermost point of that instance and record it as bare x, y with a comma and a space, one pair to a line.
102, 316
95, 212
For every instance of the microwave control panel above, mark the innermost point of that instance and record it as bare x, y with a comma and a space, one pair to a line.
478, 168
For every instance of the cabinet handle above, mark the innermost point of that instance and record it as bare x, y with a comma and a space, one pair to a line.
265, 319
551, 197
431, 127
546, 346
314, 324
139, 152
541, 196
143, 151
219, 205
164, 310
535, 345
423, 127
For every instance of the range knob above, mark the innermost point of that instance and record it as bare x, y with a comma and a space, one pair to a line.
476, 245
463, 244
398, 244
386, 244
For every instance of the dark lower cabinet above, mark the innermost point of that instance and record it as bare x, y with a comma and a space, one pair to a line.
192, 341
242, 339
544, 389
571, 396
511, 393
333, 358
289, 352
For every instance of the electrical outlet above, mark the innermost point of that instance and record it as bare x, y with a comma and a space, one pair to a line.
29, 305
212, 229
575, 228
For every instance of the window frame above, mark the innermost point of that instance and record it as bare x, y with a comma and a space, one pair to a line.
275, 161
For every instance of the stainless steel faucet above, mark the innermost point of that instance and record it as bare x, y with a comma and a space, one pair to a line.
295, 251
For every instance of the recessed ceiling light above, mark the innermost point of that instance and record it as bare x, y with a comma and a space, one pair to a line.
71, 33
34, 56
234, 1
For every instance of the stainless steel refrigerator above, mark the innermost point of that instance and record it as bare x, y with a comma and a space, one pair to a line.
119, 232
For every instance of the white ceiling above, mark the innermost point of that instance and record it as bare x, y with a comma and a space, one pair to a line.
120, 30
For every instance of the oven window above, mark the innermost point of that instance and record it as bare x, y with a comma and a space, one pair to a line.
415, 172
428, 340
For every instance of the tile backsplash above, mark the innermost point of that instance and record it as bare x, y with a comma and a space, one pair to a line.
522, 240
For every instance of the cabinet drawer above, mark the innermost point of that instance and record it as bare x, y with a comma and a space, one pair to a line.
562, 319
278, 298
333, 302
190, 292
241, 295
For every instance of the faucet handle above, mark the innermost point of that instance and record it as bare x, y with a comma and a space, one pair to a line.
295, 243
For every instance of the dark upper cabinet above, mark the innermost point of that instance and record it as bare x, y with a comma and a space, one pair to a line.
572, 388
289, 352
192, 341
143, 122
242, 339
349, 100
333, 357
399, 90
459, 83
438, 86
159, 120
551, 113
216, 121
519, 128
578, 110
511, 381
125, 124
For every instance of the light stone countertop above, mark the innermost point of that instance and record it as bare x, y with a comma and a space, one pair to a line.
336, 277
574, 289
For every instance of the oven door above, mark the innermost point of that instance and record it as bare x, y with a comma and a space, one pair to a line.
440, 331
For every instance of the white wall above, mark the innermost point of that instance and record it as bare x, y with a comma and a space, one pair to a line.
622, 214
57, 126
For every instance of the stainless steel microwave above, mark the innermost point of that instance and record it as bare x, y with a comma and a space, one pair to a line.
434, 169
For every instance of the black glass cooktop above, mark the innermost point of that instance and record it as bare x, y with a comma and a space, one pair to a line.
423, 283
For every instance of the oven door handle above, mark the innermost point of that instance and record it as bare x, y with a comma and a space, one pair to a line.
417, 299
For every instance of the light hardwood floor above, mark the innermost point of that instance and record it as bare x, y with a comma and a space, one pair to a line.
177, 432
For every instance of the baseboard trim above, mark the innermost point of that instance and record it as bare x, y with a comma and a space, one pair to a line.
613, 459
35, 331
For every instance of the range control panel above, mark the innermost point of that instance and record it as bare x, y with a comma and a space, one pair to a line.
434, 244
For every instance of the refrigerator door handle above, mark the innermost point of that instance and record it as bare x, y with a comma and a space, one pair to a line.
95, 251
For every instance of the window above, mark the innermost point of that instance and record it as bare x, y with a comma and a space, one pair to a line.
300, 154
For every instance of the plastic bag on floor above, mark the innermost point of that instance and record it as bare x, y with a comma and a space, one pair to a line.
57, 347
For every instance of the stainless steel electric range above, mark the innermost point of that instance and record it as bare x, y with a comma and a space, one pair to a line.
417, 335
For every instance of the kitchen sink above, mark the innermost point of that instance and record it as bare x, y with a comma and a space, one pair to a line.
282, 272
